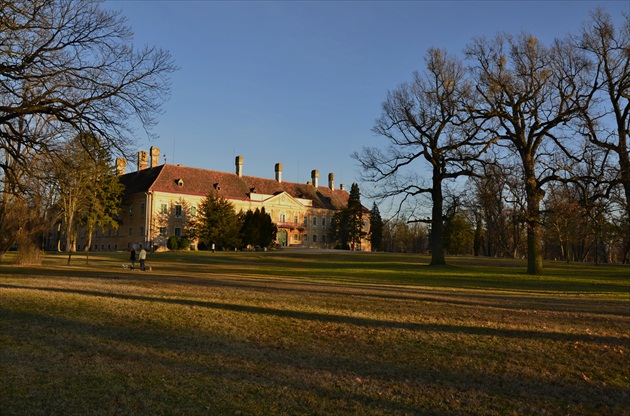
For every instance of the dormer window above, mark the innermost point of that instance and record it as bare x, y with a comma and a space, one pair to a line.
179, 182
216, 186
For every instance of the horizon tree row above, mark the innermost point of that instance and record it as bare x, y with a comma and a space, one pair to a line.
547, 114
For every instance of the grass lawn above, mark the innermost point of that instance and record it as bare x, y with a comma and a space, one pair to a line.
312, 333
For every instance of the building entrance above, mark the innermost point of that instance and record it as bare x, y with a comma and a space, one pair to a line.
283, 238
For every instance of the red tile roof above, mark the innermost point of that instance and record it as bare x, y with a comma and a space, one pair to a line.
201, 182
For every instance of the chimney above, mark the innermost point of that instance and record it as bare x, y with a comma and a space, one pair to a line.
155, 156
278, 170
331, 181
239, 165
121, 166
315, 177
143, 160
342, 187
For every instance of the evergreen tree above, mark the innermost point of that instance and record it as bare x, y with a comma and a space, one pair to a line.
257, 228
268, 229
250, 232
217, 223
88, 190
376, 229
347, 225
104, 190
355, 217
338, 231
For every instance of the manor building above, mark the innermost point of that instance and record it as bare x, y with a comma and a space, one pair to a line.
160, 200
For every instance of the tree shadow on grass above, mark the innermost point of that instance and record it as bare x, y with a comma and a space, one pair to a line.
440, 293
333, 378
344, 319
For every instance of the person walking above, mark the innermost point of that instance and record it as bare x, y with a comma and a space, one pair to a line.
142, 257
132, 258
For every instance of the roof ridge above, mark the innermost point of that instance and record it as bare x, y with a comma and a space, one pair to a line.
160, 169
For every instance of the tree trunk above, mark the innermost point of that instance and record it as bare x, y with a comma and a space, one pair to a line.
88, 243
437, 225
626, 254
69, 254
534, 237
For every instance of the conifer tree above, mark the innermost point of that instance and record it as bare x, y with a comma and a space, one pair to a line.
88, 191
217, 223
355, 217
376, 229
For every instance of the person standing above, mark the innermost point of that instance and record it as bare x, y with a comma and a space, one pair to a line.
142, 257
132, 258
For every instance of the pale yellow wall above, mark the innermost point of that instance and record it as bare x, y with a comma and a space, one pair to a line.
145, 228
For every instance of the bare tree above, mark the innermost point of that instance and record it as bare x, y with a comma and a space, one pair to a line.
607, 121
25, 191
530, 92
425, 121
71, 65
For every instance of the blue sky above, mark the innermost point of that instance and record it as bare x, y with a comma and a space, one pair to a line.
301, 82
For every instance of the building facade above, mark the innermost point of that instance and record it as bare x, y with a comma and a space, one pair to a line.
160, 200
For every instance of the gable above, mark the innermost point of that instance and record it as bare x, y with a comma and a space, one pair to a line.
285, 200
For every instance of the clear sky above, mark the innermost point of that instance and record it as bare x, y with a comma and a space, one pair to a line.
301, 82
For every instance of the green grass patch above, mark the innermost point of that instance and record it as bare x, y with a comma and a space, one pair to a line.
297, 332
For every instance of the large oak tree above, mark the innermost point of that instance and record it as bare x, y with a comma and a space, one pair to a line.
427, 125
528, 93
607, 120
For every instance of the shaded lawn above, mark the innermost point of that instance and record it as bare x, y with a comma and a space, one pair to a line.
312, 333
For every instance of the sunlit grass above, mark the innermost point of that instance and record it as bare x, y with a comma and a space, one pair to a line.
312, 333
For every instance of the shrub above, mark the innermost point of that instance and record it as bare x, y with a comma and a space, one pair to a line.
184, 243
29, 254
172, 243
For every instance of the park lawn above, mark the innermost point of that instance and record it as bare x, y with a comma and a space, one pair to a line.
312, 333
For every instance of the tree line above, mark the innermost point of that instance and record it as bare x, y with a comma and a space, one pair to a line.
536, 134
73, 88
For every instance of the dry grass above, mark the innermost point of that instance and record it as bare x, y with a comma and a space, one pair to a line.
299, 333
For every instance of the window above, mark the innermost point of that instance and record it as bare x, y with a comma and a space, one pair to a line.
193, 211
178, 232
305, 220
142, 231
314, 238
178, 211
163, 209
162, 231
283, 218
295, 219
323, 238
323, 222
296, 237
130, 210
130, 231
314, 221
